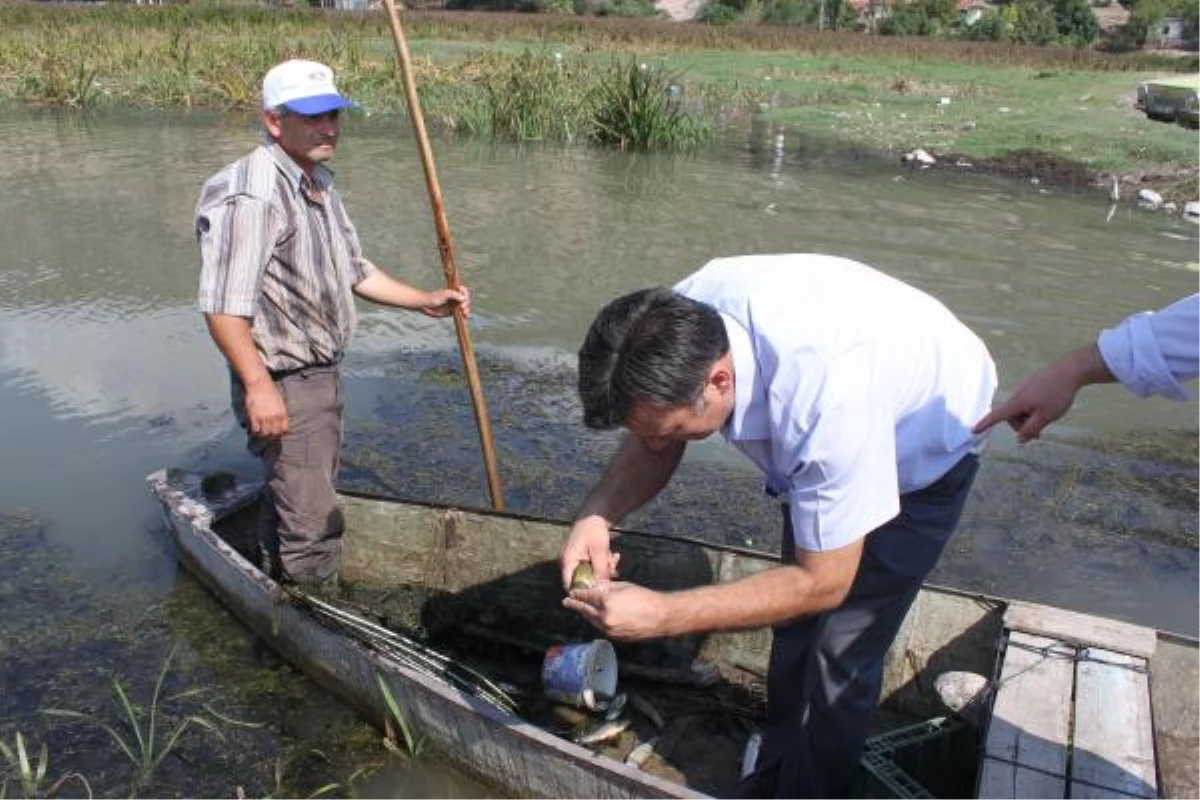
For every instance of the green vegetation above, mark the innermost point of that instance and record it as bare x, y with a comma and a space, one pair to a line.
564, 77
30, 776
414, 745
141, 744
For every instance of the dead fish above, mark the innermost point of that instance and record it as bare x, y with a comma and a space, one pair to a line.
606, 730
584, 577
638, 755
615, 706
647, 710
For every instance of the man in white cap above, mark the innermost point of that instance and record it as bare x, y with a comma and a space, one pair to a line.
280, 262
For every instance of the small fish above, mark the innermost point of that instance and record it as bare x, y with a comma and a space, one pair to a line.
638, 755
597, 734
584, 577
647, 710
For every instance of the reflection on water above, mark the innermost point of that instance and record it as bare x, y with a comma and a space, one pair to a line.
106, 374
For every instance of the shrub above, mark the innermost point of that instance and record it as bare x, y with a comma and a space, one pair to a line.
638, 108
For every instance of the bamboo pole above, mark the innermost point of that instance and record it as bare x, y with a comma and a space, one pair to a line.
447, 252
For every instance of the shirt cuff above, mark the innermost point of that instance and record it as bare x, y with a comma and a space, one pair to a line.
1131, 353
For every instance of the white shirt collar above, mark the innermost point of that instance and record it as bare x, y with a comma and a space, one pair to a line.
750, 419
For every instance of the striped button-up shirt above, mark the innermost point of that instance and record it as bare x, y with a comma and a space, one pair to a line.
277, 248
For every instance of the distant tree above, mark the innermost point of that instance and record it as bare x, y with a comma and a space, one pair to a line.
991, 27
1145, 18
718, 13
825, 14
1191, 24
1035, 24
920, 18
1075, 21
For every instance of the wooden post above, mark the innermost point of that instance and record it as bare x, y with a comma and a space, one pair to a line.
447, 252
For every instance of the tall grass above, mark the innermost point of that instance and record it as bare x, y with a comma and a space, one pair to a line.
536, 96
640, 108
414, 744
30, 775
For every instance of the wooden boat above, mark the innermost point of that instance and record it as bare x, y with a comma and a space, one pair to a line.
453, 610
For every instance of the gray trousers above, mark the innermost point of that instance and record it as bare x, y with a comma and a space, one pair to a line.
826, 671
300, 524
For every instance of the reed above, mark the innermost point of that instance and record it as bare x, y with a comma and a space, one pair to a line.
31, 775
414, 745
536, 96
639, 107
142, 743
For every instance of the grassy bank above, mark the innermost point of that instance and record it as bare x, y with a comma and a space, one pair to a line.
1060, 111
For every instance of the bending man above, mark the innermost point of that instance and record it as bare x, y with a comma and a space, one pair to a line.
854, 394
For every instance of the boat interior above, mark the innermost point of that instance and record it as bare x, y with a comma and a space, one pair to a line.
480, 596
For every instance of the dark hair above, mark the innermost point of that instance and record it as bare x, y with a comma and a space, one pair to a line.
652, 346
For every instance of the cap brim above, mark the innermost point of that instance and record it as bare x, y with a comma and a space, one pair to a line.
319, 104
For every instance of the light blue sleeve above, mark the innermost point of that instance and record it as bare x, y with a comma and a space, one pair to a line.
1152, 352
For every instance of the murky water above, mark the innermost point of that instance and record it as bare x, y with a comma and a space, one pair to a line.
106, 374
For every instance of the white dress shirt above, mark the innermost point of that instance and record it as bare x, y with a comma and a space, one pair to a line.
851, 387
1151, 352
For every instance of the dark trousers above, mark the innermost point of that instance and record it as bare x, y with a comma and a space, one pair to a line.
826, 671
300, 524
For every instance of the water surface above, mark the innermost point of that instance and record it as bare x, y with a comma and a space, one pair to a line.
106, 374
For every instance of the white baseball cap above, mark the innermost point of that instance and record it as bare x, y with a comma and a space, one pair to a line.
305, 87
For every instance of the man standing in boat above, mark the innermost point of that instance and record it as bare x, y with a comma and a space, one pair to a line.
280, 263
855, 394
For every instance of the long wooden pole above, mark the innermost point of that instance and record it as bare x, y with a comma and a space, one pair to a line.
447, 251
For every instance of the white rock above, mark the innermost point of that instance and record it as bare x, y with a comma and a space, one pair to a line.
959, 690
920, 156
1191, 210
1149, 197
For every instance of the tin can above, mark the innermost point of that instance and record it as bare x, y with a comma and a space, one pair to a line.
582, 674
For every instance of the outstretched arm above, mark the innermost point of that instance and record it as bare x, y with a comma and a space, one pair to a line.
379, 287
1048, 393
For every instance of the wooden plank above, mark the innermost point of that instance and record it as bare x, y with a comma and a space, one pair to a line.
1025, 754
1082, 629
1114, 736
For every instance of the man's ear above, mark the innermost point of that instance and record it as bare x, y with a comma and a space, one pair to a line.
720, 375
271, 121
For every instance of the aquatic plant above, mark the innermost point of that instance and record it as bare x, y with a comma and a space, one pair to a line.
32, 777
639, 107
535, 96
414, 745
142, 744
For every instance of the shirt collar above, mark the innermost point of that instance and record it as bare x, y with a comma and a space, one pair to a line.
322, 175
749, 420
